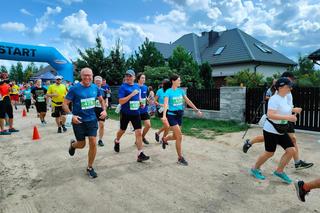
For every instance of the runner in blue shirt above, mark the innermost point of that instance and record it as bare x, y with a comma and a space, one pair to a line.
174, 99
159, 99
84, 119
98, 109
130, 103
27, 96
144, 115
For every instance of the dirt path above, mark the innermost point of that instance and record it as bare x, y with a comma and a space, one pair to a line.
40, 176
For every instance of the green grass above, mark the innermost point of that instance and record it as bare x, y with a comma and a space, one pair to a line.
200, 128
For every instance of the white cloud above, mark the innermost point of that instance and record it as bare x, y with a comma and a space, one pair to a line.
69, 2
25, 12
43, 22
77, 29
173, 17
13, 26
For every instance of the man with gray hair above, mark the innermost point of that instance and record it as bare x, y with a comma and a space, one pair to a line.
98, 109
84, 121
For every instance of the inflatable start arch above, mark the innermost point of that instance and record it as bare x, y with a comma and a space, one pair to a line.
21, 52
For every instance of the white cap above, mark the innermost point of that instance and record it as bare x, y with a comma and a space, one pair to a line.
58, 77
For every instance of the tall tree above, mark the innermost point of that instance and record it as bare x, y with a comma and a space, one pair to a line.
148, 55
30, 70
206, 75
3, 69
186, 67
93, 58
116, 65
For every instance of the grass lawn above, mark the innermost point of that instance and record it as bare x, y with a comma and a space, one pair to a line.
200, 128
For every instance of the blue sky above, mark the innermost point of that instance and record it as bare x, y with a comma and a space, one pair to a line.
290, 27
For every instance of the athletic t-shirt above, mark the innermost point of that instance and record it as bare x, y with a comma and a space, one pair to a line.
106, 87
176, 100
4, 90
15, 90
39, 94
60, 90
103, 94
160, 95
281, 105
84, 101
143, 99
132, 106
27, 94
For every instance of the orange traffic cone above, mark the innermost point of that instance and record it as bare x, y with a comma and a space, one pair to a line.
24, 113
36, 135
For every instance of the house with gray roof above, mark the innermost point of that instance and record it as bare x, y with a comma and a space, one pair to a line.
228, 52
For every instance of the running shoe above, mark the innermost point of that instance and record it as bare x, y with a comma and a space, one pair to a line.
164, 143
283, 176
246, 146
5, 132
100, 143
71, 149
91, 173
302, 165
13, 130
182, 161
59, 130
257, 174
145, 141
64, 128
142, 157
157, 137
116, 145
301, 193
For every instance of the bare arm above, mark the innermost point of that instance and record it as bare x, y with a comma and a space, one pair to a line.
65, 106
127, 98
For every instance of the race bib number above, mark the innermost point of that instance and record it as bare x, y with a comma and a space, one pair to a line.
134, 105
144, 101
41, 99
14, 90
98, 104
283, 122
177, 101
88, 103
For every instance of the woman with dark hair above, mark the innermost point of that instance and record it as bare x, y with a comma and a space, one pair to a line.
174, 99
275, 131
144, 115
159, 100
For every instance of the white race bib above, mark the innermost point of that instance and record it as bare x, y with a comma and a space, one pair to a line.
134, 105
177, 101
88, 103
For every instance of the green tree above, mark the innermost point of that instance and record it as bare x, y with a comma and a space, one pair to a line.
148, 55
3, 69
16, 73
30, 70
155, 75
116, 65
246, 77
186, 67
206, 75
93, 58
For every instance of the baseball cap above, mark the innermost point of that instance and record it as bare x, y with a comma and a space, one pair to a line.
58, 77
130, 72
282, 82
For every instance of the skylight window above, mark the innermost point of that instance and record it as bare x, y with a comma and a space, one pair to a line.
263, 48
219, 50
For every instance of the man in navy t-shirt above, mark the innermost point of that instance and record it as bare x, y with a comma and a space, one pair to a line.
84, 120
129, 99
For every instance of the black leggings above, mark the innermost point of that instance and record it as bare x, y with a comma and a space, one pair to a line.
6, 108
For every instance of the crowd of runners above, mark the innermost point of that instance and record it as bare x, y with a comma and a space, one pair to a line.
84, 104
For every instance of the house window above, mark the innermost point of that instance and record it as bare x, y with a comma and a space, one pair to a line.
219, 50
263, 48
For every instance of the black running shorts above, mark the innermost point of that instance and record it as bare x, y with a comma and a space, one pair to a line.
271, 141
125, 119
